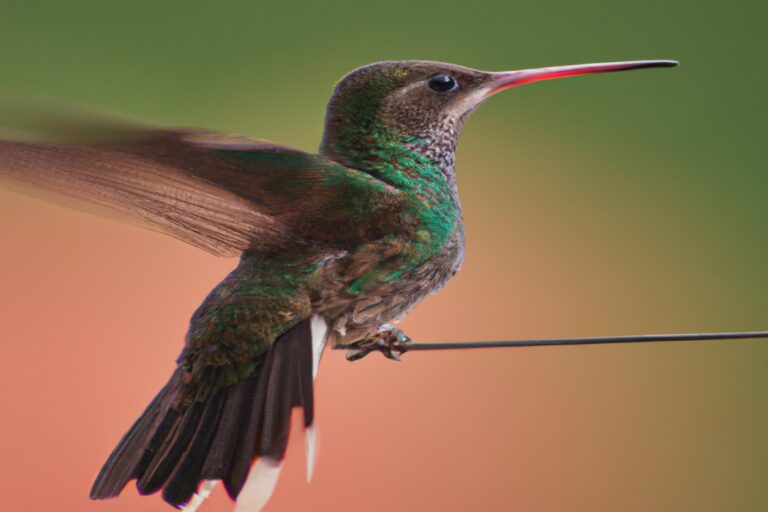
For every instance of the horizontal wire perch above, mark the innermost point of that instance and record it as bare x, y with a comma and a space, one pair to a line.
549, 342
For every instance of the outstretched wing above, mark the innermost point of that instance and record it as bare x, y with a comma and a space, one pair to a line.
220, 193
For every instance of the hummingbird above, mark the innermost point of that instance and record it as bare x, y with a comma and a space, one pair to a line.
337, 245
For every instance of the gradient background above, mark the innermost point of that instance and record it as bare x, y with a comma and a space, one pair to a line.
604, 205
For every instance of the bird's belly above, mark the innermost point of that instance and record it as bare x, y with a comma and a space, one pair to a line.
390, 301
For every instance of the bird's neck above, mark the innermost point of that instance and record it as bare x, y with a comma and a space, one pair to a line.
421, 168
422, 164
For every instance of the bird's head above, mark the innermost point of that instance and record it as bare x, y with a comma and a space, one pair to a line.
424, 103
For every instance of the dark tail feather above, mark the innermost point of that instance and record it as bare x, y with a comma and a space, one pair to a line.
284, 382
126, 458
174, 449
185, 478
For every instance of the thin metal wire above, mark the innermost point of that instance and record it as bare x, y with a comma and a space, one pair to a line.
550, 342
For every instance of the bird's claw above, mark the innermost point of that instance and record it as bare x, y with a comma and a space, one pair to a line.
392, 343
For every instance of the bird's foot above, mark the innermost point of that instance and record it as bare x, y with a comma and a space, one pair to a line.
392, 343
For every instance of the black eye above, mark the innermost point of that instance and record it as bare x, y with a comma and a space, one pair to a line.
443, 83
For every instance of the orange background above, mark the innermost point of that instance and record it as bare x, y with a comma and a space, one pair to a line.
620, 204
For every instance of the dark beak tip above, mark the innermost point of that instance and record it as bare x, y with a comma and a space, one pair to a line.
656, 64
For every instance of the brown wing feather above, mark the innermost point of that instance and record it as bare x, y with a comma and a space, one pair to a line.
132, 187
315, 198
221, 193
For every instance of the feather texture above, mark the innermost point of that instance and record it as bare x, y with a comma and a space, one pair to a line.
129, 187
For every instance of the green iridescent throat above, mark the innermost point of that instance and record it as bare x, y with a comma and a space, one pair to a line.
433, 209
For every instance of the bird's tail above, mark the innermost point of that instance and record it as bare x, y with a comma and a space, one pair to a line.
184, 448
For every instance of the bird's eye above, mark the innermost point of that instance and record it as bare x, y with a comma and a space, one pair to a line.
443, 83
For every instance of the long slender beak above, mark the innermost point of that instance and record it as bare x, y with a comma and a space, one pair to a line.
507, 79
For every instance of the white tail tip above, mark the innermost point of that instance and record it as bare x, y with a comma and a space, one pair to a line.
311, 445
199, 497
259, 486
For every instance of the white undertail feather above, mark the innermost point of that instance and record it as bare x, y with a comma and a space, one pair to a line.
202, 493
259, 486
319, 329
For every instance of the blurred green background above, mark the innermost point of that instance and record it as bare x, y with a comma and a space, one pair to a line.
613, 204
